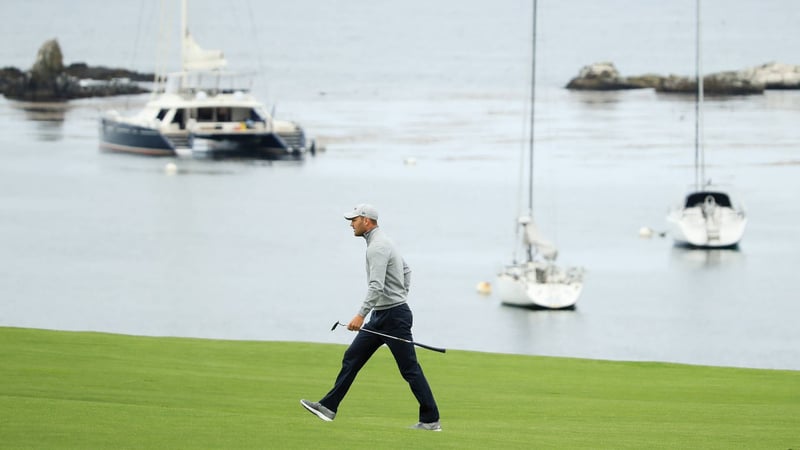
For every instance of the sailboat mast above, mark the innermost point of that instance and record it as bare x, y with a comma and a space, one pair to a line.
533, 113
699, 153
532, 118
184, 33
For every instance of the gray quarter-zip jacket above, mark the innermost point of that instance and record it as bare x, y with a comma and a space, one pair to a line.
388, 276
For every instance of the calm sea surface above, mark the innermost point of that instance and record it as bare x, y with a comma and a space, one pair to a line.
243, 250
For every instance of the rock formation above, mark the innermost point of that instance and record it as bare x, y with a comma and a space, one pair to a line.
49, 80
775, 75
604, 76
721, 83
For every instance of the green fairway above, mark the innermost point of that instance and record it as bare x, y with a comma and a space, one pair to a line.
93, 390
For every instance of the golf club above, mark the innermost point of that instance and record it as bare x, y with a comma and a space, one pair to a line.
436, 349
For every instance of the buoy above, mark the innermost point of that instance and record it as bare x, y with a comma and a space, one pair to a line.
170, 168
645, 232
484, 288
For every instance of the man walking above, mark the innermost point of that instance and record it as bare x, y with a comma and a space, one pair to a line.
388, 280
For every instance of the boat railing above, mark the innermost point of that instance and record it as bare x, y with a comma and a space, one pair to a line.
212, 82
238, 127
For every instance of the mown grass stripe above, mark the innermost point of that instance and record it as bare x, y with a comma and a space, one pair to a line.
96, 390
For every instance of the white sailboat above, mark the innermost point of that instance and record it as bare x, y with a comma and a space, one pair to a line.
537, 282
707, 218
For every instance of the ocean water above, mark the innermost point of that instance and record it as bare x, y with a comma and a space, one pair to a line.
245, 250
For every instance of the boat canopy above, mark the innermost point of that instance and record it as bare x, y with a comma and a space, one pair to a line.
698, 198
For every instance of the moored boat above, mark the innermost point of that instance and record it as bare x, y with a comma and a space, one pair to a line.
707, 218
204, 111
536, 281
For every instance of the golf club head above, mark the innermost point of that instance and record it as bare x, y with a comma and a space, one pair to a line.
335, 325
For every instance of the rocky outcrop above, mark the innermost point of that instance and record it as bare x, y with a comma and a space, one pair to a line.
83, 72
604, 76
645, 81
775, 75
601, 76
721, 83
49, 80
9, 76
49, 61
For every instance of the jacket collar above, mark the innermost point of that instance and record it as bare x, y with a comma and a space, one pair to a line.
370, 234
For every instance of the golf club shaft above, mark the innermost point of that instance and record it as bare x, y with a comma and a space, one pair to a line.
436, 349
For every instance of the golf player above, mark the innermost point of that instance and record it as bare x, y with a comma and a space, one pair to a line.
388, 280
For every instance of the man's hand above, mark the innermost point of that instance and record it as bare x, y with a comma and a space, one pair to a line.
356, 323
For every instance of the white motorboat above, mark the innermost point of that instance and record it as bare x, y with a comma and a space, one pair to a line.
536, 281
707, 217
204, 111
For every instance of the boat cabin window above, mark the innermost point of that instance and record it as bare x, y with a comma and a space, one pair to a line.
205, 114
253, 115
223, 114
162, 113
179, 118
697, 198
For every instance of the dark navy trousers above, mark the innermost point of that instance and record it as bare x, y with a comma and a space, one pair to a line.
397, 322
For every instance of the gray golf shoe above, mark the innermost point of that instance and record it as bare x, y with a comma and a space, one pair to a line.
318, 410
432, 426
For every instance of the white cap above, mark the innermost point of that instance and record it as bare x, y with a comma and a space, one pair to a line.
364, 210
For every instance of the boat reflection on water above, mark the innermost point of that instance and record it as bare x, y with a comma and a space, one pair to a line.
541, 331
702, 257
45, 112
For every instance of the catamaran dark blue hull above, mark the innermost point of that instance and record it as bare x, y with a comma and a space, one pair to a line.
124, 137
242, 145
128, 138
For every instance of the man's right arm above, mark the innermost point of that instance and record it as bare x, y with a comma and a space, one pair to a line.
377, 261
406, 276
356, 323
